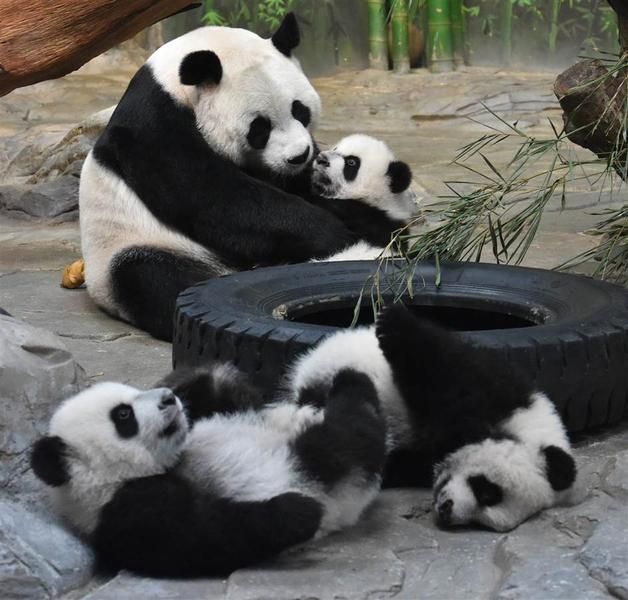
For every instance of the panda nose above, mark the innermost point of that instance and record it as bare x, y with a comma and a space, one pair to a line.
301, 158
167, 399
444, 512
322, 160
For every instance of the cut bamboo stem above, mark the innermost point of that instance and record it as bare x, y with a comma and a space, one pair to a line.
439, 36
457, 31
506, 26
553, 33
378, 48
399, 26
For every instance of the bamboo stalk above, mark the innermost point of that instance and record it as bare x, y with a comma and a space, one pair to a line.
439, 36
399, 26
378, 49
506, 25
457, 31
553, 33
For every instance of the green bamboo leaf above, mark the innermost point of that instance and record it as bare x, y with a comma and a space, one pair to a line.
492, 167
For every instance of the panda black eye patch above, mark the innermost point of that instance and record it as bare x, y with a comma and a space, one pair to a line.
259, 132
301, 113
485, 491
352, 166
124, 420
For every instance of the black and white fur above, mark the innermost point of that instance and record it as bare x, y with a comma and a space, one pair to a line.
497, 448
245, 482
361, 182
188, 179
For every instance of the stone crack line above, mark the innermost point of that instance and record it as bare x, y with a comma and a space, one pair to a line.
614, 591
504, 560
112, 337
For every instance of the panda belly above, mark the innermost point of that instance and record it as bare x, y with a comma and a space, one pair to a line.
112, 219
247, 456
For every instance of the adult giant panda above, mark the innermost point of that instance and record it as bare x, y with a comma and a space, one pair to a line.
182, 185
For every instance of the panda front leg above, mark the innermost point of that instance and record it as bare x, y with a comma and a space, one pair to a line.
345, 452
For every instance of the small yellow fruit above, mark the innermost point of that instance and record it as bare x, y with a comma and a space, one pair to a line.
73, 275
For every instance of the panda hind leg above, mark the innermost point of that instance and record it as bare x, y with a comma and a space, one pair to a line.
146, 282
346, 452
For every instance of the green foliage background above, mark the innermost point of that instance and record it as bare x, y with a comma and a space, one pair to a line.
538, 26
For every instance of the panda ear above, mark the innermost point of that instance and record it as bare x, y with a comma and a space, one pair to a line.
560, 468
287, 37
200, 67
49, 460
400, 176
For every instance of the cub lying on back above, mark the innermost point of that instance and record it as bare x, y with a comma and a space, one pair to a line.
496, 447
246, 481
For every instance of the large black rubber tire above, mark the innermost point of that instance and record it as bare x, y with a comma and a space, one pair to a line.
568, 332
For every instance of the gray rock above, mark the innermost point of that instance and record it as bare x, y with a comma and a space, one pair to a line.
36, 373
45, 157
327, 576
38, 557
47, 200
605, 555
129, 587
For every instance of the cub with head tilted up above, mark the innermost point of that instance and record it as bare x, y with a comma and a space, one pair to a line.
363, 184
210, 479
188, 180
494, 447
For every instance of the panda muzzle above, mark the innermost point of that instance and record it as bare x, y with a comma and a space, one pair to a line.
301, 158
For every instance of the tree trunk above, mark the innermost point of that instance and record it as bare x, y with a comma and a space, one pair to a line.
594, 102
42, 40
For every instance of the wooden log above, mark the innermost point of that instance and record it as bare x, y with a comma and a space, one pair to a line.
42, 40
594, 106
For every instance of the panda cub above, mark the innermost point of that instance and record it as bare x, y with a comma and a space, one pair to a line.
360, 181
494, 448
200, 477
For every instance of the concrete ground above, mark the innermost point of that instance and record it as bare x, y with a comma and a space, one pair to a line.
397, 551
